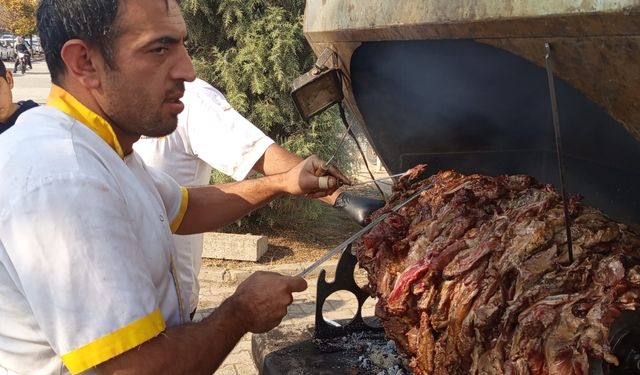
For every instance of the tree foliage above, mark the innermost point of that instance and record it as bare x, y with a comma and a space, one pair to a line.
252, 50
19, 16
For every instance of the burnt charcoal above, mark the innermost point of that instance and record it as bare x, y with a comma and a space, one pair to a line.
375, 354
473, 276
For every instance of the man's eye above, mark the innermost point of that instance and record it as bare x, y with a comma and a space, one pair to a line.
160, 50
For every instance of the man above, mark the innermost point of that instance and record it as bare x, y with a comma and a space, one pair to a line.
212, 134
88, 270
21, 46
9, 111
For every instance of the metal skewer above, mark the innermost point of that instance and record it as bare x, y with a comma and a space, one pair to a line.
325, 167
374, 181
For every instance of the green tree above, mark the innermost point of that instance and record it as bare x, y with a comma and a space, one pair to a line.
19, 16
252, 50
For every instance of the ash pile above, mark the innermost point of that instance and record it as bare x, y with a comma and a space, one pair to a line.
473, 277
375, 354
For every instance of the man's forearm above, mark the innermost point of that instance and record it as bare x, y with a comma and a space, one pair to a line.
192, 348
212, 207
277, 159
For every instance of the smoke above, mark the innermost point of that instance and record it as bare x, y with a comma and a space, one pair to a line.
459, 104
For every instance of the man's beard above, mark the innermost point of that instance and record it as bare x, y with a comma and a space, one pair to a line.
127, 112
150, 125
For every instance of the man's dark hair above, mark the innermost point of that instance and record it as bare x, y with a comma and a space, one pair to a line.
3, 70
59, 21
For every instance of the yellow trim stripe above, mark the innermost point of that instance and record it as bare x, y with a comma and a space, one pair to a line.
64, 101
115, 343
175, 224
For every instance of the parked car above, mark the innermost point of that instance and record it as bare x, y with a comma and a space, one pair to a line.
36, 48
6, 51
6, 47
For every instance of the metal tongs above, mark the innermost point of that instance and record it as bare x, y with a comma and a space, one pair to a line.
359, 233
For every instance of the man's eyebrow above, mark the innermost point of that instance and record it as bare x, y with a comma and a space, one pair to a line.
167, 40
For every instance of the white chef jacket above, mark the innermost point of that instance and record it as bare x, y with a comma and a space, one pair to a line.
86, 253
210, 134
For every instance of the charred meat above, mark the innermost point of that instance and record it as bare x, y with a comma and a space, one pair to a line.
473, 277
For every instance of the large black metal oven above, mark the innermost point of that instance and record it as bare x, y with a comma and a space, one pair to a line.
464, 85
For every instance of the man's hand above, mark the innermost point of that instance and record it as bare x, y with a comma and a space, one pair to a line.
261, 300
302, 179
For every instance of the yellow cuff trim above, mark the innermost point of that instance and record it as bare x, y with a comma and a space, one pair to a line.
65, 102
115, 343
175, 224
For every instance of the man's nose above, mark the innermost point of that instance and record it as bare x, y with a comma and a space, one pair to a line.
184, 67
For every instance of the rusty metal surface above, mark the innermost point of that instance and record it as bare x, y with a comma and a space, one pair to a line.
351, 20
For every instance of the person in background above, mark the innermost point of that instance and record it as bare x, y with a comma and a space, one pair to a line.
23, 47
211, 134
88, 269
9, 111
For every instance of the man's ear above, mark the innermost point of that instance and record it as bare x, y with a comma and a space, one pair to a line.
80, 61
9, 77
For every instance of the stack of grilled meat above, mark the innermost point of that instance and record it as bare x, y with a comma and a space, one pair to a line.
473, 277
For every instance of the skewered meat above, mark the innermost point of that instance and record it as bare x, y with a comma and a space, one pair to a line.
473, 276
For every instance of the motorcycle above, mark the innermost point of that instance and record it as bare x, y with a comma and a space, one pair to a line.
22, 62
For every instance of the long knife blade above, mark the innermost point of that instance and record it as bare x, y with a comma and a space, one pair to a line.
359, 233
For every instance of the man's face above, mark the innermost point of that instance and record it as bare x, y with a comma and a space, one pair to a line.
142, 94
6, 98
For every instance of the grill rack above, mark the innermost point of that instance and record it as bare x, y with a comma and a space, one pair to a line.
344, 280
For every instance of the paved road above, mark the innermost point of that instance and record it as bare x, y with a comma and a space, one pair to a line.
34, 84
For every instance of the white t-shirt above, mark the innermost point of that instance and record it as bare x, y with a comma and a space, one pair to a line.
210, 134
86, 253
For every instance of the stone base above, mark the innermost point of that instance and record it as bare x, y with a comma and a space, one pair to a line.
245, 247
277, 339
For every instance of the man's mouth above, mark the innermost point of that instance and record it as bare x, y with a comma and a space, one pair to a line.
174, 97
174, 104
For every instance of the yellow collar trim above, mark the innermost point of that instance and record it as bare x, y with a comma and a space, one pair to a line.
59, 98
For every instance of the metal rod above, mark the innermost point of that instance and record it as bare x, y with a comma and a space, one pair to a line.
559, 151
364, 157
337, 149
376, 180
324, 168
